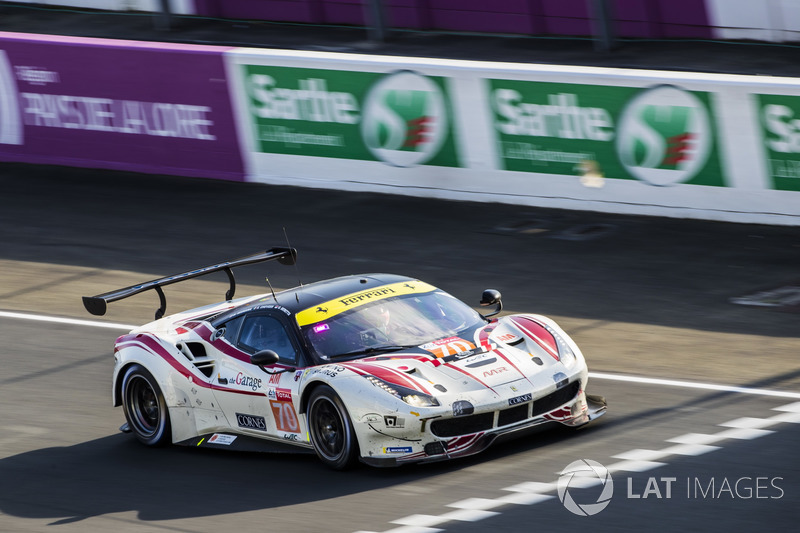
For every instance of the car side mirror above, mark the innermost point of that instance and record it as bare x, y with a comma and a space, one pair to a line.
492, 297
264, 358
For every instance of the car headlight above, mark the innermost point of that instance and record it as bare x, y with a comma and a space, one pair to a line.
565, 353
410, 396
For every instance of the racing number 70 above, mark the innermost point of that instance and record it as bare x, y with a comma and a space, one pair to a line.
284, 416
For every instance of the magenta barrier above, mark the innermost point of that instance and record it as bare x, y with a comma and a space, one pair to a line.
122, 105
633, 18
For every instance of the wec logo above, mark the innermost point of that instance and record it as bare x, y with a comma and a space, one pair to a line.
664, 136
10, 123
405, 119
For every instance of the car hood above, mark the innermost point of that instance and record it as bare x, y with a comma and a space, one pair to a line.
515, 348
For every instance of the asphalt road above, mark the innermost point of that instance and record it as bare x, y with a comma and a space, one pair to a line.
644, 297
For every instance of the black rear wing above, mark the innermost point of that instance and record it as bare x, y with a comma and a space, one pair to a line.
97, 305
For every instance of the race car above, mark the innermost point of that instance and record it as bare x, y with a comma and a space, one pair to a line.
378, 368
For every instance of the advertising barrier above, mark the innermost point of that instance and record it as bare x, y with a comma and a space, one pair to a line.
720, 147
691, 145
125, 105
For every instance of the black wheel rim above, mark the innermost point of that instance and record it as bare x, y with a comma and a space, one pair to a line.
328, 429
143, 406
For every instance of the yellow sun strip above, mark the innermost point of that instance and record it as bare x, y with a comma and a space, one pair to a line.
331, 308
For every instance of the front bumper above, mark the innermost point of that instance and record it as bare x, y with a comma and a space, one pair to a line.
452, 437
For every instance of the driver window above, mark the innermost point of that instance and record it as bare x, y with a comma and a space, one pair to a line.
267, 333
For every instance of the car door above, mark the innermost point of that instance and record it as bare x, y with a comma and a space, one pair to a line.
256, 401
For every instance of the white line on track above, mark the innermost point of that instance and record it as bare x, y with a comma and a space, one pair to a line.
694, 385
593, 375
71, 321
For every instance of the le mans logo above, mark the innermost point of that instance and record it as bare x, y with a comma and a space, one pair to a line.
664, 136
405, 119
10, 123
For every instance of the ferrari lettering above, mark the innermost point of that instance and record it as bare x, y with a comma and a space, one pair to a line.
366, 296
247, 381
311, 101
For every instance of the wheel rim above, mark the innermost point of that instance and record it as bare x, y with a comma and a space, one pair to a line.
143, 406
328, 429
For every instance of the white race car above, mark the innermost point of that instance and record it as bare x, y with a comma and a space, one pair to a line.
379, 368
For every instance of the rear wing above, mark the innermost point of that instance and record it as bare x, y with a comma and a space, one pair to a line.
97, 305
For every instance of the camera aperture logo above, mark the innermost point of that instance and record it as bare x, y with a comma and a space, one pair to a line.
585, 474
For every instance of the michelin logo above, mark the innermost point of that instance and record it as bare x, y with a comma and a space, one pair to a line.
10, 120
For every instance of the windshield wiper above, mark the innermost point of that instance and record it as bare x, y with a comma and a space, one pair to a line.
374, 349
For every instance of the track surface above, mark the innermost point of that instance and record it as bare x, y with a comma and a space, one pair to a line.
643, 297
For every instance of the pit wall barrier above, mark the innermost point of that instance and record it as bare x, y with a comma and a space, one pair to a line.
716, 147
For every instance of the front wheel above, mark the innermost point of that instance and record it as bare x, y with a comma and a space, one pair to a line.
331, 430
145, 407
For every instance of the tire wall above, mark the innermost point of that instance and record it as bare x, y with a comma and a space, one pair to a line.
715, 147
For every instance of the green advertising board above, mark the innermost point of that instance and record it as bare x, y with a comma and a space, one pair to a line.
401, 118
660, 135
780, 131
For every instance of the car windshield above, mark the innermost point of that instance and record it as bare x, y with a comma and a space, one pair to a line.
390, 324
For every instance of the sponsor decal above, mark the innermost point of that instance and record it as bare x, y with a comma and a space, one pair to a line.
397, 449
11, 131
506, 338
451, 346
330, 371
275, 379
258, 423
294, 437
391, 421
285, 417
244, 380
334, 307
221, 438
399, 118
372, 418
660, 135
297, 375
221, 380
494, 371
520, 399
780, 131
284, 395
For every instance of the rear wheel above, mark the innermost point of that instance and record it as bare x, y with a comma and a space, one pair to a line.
145, 407
331, 430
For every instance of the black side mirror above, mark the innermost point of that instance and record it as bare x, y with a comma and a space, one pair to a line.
492, 297
264, 358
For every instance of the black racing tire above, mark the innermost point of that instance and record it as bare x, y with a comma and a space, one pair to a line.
145, 408
331, 429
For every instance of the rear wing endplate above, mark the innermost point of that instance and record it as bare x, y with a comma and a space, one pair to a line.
97, 305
